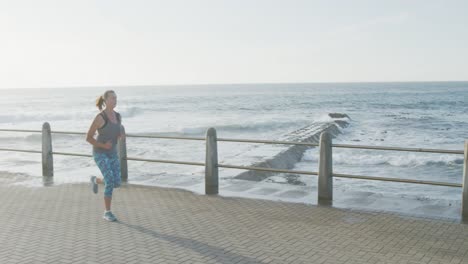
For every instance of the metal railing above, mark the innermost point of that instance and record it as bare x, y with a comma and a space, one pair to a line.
325, 173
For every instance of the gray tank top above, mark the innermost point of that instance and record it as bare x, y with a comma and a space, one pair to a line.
109, 131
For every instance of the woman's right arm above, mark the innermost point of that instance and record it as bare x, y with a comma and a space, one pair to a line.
97, 123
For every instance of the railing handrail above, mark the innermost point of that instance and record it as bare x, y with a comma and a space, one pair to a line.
71, 154
239, 140
338, 175
372, 178
20, 150
266, 169
165, 137
68, 132
439, 151
21, 130
167, 161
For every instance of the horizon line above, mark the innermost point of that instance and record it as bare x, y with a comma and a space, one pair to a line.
239, 83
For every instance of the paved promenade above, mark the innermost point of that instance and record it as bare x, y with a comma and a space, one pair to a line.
63, 224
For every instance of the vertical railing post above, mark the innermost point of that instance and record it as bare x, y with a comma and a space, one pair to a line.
465, 185
211, 162
325, 180
47, 158
122, 151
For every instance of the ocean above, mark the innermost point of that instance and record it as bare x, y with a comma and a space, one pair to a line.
418, 114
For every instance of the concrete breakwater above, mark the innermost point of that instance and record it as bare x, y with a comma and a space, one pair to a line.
288, 156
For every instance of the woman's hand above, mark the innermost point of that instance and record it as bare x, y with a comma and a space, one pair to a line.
107, 145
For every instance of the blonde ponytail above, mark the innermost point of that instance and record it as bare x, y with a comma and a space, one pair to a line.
101, 99
100, 102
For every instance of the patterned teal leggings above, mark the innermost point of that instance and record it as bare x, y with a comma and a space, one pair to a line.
109, 165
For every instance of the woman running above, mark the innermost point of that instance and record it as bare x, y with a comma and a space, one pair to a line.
108, 125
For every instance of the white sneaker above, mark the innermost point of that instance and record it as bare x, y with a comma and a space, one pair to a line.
109, 216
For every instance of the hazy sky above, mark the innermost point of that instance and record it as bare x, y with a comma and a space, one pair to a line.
62, 43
